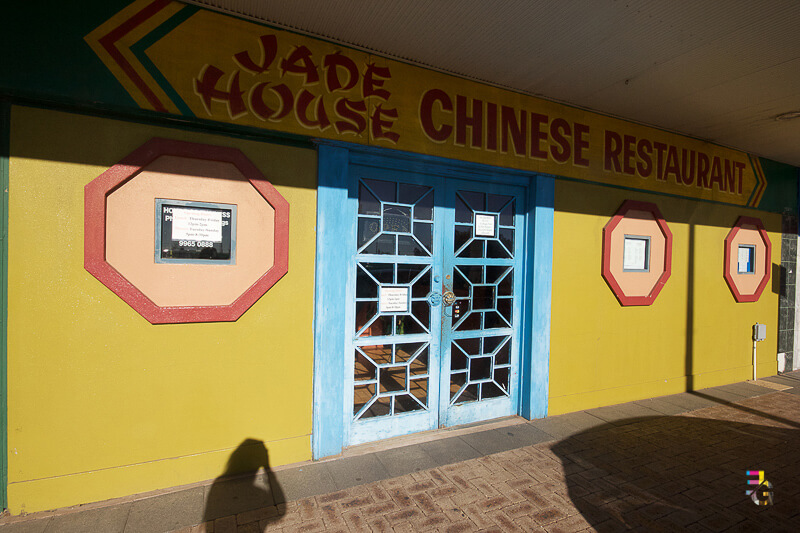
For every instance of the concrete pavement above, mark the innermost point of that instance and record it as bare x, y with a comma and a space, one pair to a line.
674, 463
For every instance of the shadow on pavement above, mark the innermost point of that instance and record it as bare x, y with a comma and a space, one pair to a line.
255, 489
668, 473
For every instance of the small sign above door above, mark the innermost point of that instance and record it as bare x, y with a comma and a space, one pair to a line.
485, 225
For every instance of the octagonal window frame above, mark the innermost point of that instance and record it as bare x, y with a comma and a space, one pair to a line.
731, 269
608, 275
97, 191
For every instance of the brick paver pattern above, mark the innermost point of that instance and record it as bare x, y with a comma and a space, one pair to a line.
670, 473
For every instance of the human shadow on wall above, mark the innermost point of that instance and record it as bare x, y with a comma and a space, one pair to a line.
247, 484
666, 473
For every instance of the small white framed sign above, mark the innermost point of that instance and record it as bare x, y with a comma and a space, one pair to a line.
485, 225
636, 254
393, 299
747, 255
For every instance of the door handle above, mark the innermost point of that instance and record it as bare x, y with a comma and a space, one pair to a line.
448, 298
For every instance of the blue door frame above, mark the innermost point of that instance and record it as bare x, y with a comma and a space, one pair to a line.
336, 240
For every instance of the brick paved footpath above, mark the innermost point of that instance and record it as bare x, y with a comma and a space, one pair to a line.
662, 473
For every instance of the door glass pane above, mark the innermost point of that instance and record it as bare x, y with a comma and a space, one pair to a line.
385, 191
410, 194
474, 249
368, 228
380, 326
408, 273
463, 211
469, 346
384, 244
483, 297
379, 354
418, 367
481, 374
470, 393
365, 368
505, 286
366, 285
405, 403
423, 208
405, 352
493, 319
375, 406
408, 325
463, 234
382, 272
422, 286
496, 250
458, 360
475, 200
408, 245
422, 313
395, 219
390, 379
491, 390
458, 381
469, 321
497, 203
362, 396
507, 239
393, 379
419, 390
368, 203
365, 312
480, 368
424, 235
507, 214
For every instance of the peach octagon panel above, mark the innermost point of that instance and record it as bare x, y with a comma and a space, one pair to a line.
641, 219
119, 207
747, 287
130, 232
641, 223
748, 283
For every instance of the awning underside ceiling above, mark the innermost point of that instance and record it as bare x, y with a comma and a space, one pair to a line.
719, 70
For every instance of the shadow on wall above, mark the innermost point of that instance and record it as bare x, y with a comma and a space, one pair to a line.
247, 484
667, 473
778, 279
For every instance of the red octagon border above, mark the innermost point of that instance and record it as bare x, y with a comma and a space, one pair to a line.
94, 245
739, 297
608, 230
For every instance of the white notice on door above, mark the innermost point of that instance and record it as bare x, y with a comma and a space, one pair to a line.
196, 225
393, 300
484, 225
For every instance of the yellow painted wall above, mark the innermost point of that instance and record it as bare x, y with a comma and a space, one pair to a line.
694, 335
100, 402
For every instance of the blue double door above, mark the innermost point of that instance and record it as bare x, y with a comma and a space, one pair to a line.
434, 302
